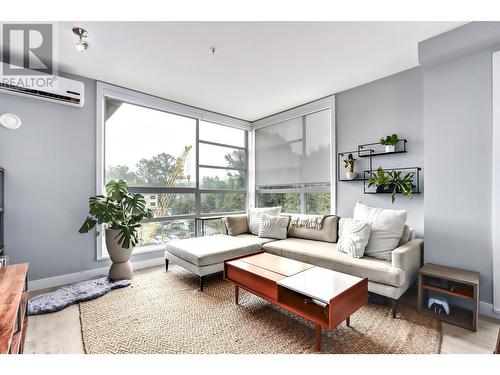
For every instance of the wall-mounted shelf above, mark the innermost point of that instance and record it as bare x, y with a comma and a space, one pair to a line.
370, 150
341, 170
373, 190
376, 149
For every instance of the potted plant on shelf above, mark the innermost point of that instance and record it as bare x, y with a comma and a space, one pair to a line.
349, 165
389, 142
121, 213
391, 182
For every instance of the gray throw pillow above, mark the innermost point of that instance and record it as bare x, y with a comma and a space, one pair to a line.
354, 237
236, 224
327, 233
405, 238
254, 215
273, 226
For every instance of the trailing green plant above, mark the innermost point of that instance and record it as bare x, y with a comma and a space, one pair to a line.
393, 182
118, 210
349, 163
379, 178
390, 140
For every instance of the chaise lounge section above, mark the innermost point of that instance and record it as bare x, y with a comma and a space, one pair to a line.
206, 255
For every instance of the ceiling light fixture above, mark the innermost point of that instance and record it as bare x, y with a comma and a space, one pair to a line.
82, 45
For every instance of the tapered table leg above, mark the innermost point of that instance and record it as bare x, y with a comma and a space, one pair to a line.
348, 321
318, 338
236, 294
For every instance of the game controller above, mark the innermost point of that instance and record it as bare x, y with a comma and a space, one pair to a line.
438, 305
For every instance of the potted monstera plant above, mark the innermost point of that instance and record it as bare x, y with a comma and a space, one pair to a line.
392, 183
120, 213
389, 142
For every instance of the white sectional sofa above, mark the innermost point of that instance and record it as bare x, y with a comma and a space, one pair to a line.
206, 255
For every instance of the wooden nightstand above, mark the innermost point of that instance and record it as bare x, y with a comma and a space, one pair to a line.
460, 285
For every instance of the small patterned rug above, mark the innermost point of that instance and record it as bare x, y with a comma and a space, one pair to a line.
165, 313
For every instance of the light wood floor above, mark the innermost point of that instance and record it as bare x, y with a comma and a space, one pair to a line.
60, 333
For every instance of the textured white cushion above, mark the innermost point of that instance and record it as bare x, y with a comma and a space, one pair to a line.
355, 236
273, 226
254, 215
387, 229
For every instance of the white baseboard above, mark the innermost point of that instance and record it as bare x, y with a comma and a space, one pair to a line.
69, 278
487, 309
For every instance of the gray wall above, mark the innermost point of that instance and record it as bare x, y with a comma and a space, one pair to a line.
458, 152
365, 114
50, 173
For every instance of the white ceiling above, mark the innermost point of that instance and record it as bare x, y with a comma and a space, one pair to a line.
260, 68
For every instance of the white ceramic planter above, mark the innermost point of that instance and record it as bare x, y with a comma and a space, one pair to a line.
121, 268
351, 175
390, 148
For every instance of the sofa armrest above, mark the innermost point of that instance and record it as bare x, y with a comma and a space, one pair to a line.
408, 257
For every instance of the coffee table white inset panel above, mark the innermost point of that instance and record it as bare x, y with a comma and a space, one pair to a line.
319, 283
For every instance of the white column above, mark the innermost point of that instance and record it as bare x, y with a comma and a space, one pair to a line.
495, 222
251, 169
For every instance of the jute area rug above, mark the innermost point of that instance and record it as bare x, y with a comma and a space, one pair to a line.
165, 313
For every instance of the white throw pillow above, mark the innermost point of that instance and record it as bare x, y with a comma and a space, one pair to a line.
273, 226
355, 236
254, 215
387, 229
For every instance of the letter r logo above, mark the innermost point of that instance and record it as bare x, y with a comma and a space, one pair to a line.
27, 46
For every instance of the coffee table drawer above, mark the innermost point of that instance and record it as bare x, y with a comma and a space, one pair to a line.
304, 306
253, 282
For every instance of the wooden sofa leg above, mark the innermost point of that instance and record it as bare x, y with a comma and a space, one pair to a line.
166, 264
394, 304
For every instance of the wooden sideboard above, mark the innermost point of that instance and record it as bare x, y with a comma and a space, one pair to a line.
13, 307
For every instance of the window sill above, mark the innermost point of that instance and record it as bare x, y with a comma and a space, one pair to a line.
137, 251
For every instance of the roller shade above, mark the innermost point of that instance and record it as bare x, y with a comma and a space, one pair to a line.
295, 151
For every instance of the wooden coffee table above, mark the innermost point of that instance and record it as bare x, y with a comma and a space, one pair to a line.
322, 296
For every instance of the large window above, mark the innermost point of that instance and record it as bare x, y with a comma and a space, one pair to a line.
143, 146
183, 166
293, 164
222, 168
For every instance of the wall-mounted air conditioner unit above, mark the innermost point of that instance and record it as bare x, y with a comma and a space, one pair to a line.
44, 87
